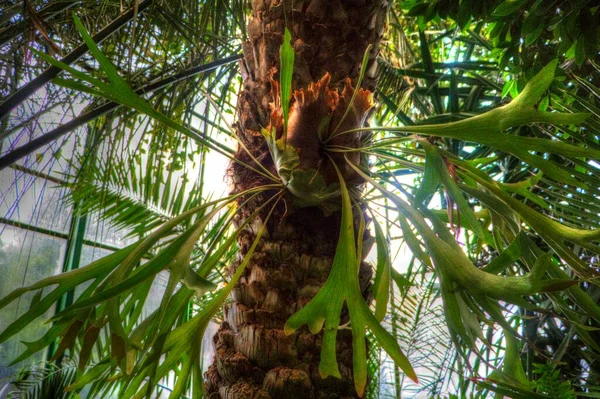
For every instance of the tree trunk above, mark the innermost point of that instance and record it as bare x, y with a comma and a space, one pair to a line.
254, 358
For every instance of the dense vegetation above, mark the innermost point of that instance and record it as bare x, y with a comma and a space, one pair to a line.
449, 216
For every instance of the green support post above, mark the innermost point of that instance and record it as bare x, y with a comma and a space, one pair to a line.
71, 262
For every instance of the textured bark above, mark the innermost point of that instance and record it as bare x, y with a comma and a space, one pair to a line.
254, 358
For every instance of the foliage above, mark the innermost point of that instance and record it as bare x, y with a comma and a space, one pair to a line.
549, 382
342, 285
496, 200
524, 33
442, 94
44, 380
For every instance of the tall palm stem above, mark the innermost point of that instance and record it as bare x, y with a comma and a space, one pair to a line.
254, 357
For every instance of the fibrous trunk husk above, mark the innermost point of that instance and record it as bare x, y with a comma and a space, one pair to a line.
254, 358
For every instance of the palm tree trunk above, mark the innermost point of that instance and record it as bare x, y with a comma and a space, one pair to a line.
254, 358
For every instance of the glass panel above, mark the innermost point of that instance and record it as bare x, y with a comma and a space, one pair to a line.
45, 110
157, 290
208, 349
25, 257
91, 254
33, 200
101, 230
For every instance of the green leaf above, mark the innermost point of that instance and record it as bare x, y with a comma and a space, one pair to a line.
509, 256
193, 330
307, 186
286, 64
66, 282
435, 161
487, 129
176, 254
120, 92
508, 87
325, 308
507, 7
195, 282
429, 184
381, 286
450, 260
284, 156
553, 232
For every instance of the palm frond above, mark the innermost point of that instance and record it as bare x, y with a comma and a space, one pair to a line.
44, 381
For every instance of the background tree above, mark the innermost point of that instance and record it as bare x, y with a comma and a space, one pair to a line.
517, 196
